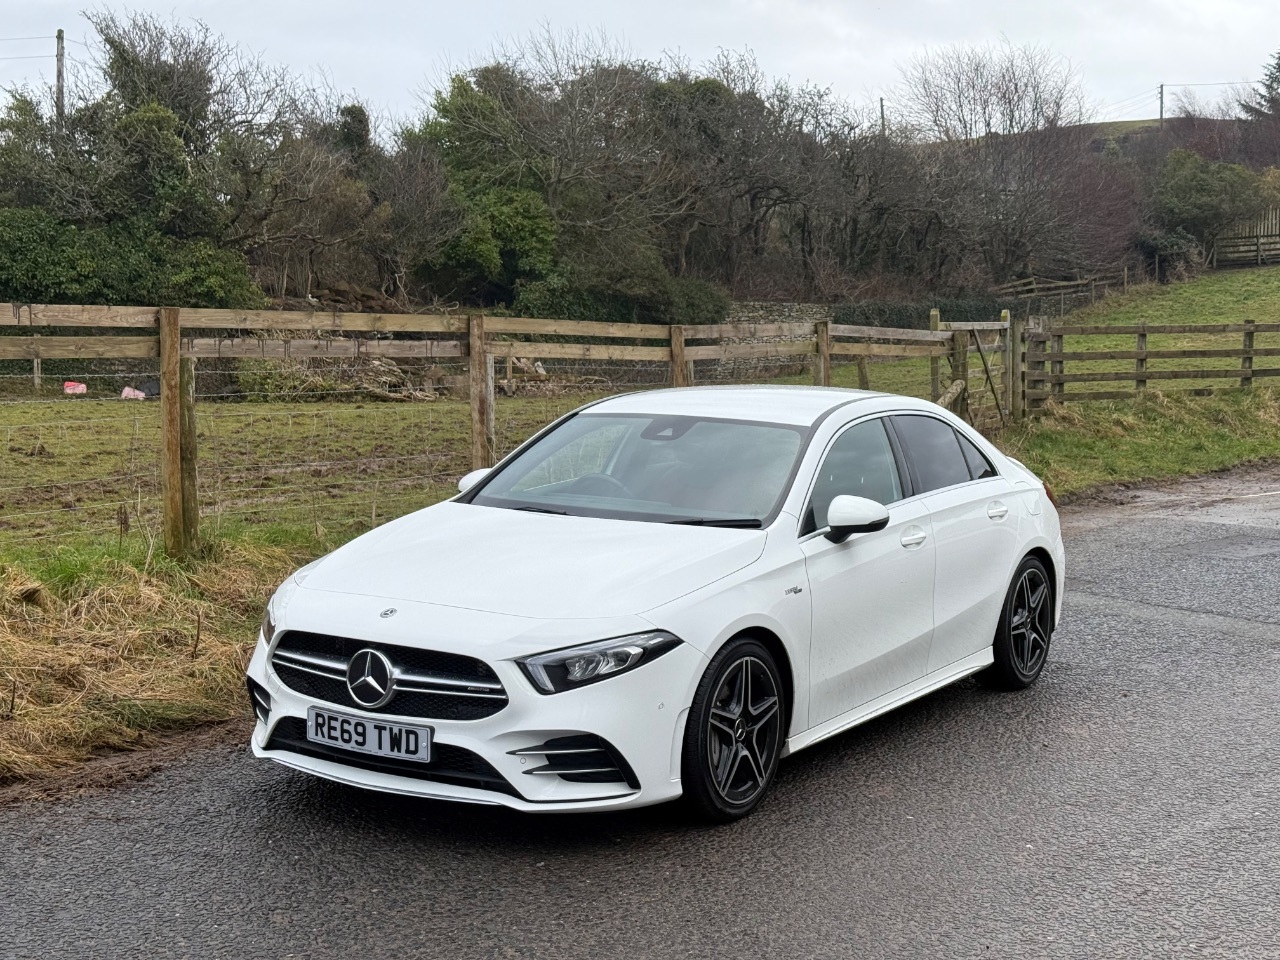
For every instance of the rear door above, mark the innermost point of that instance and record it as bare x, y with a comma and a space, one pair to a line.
975, 531
872, 596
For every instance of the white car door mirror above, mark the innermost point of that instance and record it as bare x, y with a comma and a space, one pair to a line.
849, 515
472, 478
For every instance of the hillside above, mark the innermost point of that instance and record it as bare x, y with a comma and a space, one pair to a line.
1225, 296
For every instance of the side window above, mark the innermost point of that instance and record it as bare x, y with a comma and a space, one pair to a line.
979, 466
934, 451
860, 463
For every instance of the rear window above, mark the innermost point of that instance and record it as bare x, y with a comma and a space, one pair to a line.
934, 451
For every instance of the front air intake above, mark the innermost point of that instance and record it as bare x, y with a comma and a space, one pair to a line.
581, 758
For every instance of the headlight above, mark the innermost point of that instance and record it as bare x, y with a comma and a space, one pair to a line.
563, 670
268, 623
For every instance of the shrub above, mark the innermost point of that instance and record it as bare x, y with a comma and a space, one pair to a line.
45, 260
676, 300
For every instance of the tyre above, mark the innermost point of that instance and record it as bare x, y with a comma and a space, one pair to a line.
734, 733
1022, 638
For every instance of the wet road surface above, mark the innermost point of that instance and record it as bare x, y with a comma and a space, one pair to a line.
1125, 806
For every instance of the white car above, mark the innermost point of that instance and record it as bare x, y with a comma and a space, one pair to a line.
663, 594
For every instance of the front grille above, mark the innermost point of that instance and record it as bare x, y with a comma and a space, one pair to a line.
581, 758
428, 684
449, 764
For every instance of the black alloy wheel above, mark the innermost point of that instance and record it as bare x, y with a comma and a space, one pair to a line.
734, 733
1026, 627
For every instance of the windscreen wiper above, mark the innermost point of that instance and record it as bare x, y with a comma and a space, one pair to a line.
745, 523
558, 513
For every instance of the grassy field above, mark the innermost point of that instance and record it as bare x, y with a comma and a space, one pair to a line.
105, 644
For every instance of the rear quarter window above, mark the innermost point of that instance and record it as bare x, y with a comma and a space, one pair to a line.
933, 450
979, 466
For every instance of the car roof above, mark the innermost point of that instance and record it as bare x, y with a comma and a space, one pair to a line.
799, 406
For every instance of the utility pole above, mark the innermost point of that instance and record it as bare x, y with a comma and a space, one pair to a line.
1162, 106
61, 94
882, 125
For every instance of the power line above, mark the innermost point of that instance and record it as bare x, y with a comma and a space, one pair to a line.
1137, 96
37, 56
22, 39
1224, 83
1123, 106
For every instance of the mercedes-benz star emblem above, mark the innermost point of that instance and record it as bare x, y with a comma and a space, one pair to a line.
369, 679
389, 612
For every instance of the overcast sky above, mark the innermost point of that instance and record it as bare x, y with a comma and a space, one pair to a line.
389, 51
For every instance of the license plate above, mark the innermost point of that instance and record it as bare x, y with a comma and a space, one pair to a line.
375, 737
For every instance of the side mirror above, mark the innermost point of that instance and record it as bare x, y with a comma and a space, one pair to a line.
849, 515
472, 478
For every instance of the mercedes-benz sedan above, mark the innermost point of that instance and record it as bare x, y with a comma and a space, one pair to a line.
661, 595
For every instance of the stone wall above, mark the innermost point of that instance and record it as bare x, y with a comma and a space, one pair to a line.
763, 311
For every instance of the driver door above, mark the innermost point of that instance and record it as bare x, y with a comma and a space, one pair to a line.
872, 596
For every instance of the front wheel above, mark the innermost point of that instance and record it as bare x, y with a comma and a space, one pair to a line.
734, 733
1021, 643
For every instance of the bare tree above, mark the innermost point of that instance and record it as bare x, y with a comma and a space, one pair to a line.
1009, 127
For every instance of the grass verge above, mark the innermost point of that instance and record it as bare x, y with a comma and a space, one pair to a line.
1083, 446
108, 648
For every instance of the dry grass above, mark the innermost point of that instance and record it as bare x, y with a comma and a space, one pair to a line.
106, 652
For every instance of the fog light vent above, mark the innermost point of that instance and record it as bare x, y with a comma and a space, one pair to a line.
581, 758
259, 699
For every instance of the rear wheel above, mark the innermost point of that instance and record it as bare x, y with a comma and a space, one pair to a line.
1022, 639
734, 734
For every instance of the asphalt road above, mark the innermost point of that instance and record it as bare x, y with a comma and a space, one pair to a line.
1124, 807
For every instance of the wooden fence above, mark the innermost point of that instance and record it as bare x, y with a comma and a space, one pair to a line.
1041, 296
1049, 358
178, 338
1252, 243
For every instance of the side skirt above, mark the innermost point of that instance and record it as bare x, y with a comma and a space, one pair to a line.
895, 698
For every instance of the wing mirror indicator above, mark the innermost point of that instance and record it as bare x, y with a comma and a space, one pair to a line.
849, 515
471, 479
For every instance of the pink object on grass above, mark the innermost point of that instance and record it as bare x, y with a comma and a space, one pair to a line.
128, 393
70, 386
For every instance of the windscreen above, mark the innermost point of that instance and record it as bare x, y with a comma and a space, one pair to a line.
655, 468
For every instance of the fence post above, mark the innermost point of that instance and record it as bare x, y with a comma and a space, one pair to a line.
1140, 363
960, 369
480, 383
178, 442
1006, 382
822, 370
679, 372
1013, 368
1035, 363
935, 363
36, 366
1246, 358
1057, 388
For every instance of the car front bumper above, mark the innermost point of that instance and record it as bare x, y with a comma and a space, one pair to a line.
640, 714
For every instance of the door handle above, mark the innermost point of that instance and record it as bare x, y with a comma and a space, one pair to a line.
997, 510
913, 538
